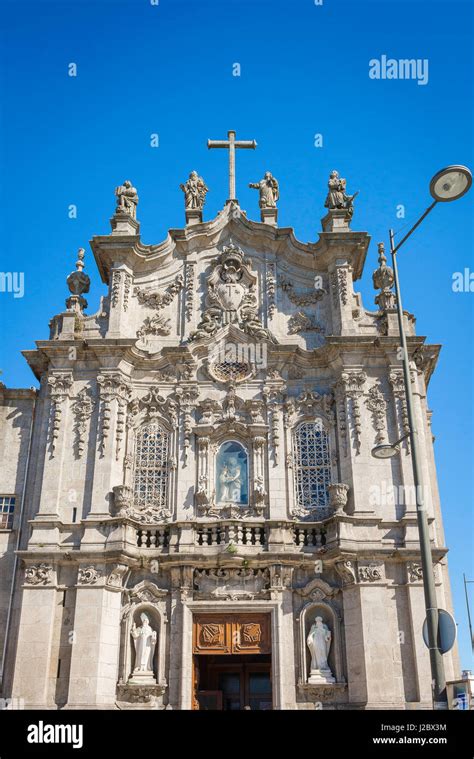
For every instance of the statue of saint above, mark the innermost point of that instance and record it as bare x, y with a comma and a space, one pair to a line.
269, 191
127, 199
194, 192
144, 638
319, 643
230, 482
337, 197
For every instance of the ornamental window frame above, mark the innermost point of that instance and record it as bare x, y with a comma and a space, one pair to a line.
164, 468
300, 508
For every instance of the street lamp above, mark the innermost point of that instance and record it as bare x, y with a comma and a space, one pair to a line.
448, 184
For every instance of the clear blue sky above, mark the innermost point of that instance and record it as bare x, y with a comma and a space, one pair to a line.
167, 69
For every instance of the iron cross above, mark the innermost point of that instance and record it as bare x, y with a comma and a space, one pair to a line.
232, 144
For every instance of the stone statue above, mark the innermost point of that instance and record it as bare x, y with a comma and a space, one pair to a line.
337, 197
269, 192
127, 199
144, 638
230, 482
319, 643
194, 192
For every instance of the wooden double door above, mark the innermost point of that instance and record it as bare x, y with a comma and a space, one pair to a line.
233, 683
232, 662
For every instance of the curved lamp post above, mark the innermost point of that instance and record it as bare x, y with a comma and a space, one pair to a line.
448, 184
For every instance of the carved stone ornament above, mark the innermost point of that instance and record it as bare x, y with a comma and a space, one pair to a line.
349, 390
302, 322
346, 571
125, 508
39, 574
195, 191
83, 407
304, 298
370, 573
231, 584
414, 572
127, 199
337, 197
88, 575
115, 578
59, 387
338, 496
158, 299
231, 297
377, 404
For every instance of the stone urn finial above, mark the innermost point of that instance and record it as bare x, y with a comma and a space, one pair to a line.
338, 496
383, 280
78, 283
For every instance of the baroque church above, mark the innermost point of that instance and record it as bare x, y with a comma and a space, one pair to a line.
191, 517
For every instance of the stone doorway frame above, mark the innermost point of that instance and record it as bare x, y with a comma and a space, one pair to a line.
282, 647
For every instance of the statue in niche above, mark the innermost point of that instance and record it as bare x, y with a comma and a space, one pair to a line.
268, 189
319, 643
231, 472
337, 197
127, 199
194, 192
144, 639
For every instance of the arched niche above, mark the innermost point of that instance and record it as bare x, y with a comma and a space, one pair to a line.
232, 474
145, 597
322, 608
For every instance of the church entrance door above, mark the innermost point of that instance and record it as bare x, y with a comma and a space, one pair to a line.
232, 662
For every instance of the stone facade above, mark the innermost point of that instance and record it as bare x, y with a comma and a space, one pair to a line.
229, 331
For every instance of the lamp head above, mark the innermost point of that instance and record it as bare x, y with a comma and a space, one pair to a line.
450, 183
385, 450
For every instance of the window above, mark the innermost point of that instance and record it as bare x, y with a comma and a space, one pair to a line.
151, 466
312, 465
7, 508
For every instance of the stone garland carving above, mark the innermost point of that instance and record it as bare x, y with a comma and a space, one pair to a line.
127, 286
187, 401
231, 584
153, 405
398, 386
271, 289
158, 299
303, 322
341, 414
83, 407
116, 284
377, 404
189, 298
305, 298
59, 386
272, 399
370, 573
88, 575
39, 574
351, 385
112, 387
339, 286
231, 297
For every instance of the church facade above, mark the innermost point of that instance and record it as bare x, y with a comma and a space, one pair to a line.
191, 514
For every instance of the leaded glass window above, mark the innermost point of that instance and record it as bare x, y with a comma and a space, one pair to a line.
151, 466
7, 508
312, 465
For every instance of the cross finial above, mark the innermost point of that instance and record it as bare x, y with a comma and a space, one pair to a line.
231, 143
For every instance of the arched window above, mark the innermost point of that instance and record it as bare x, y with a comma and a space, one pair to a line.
312, 465
150, 480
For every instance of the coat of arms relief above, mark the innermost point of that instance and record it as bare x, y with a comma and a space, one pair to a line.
231, 297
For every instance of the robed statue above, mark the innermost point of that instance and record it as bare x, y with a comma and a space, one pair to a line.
337, 197
144, 638
319, 643
195, 191
268, 190
127, 199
